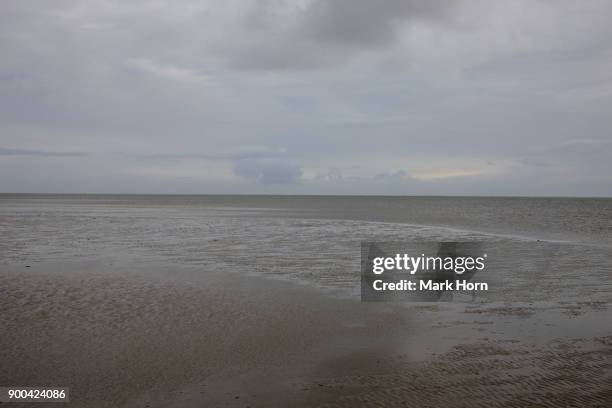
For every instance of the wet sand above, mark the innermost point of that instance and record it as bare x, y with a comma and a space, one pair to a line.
133, 333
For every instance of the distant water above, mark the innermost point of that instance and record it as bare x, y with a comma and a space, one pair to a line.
547, 246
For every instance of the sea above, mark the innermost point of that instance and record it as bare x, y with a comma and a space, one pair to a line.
540, 248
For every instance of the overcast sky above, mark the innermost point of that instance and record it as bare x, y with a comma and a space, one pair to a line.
307, 97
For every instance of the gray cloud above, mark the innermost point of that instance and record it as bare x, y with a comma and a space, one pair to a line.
326, 32
268, 171
235, 154
477, 96
391, 177
39, 153
363, 23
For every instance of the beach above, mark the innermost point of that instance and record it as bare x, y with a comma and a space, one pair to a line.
134, 305
305, 204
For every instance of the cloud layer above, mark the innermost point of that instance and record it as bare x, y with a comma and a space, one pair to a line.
308, 96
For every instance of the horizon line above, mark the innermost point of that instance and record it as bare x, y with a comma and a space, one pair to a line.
303, 195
